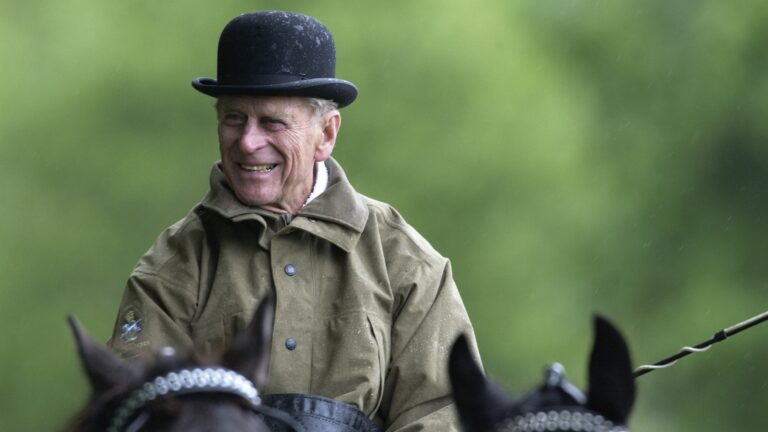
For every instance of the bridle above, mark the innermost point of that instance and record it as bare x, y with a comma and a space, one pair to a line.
560, 420
130, 416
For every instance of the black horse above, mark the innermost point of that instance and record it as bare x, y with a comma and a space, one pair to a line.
556, 405
192, 394
181, 394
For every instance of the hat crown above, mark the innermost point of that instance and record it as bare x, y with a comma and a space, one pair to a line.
272, 46
276, 53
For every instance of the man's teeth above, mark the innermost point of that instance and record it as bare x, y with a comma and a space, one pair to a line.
258, 168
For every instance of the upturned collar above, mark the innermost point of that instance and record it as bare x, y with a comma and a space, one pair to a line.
340, 210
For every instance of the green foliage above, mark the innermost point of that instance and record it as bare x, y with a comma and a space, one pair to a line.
569, 156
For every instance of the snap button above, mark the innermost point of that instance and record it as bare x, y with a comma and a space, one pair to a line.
290, 270
290, 343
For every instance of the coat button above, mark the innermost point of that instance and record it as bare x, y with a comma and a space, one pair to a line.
290, 343
290, 270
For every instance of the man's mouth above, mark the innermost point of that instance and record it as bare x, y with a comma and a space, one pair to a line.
263, 168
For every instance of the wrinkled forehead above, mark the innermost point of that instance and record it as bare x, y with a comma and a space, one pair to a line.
293, 106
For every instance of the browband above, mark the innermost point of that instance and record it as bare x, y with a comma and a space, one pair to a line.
559, 421
184, 381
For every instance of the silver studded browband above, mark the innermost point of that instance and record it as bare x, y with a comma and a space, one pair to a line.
184, 381
559, 421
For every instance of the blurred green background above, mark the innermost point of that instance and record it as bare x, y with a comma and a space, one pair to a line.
570, 157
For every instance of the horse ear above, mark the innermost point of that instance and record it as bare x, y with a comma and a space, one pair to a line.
479, 401
103, 369
250, 351
611, 385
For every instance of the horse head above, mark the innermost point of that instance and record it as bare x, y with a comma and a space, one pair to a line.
179, 393
556, 405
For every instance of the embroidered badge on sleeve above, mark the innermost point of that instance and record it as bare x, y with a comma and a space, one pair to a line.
131, 327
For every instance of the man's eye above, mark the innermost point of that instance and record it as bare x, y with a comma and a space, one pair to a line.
273, 124
233, 120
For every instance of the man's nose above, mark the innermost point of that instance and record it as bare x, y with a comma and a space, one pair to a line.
253, 138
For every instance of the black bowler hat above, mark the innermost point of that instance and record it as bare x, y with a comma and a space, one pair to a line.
277, 53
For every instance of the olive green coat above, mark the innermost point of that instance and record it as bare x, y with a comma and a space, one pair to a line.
371, 307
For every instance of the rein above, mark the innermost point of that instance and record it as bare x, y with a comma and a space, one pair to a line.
718, 337
191, 381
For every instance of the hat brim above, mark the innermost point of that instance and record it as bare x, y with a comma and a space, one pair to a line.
340, 91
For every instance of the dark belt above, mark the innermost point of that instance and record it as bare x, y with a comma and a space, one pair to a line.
318, 414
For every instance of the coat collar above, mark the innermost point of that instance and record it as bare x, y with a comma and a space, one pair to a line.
338, 215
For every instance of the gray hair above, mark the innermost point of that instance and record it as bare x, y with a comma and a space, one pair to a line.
320, 107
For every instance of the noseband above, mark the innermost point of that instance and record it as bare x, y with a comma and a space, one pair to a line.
191, 381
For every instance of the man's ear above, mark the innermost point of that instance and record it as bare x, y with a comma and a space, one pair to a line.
331, 123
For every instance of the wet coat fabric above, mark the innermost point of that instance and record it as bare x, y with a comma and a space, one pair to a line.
366, 310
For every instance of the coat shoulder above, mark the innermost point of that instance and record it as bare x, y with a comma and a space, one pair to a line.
398, 236
176, 247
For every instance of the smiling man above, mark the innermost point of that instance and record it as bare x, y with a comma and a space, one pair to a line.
269, 147
366, 310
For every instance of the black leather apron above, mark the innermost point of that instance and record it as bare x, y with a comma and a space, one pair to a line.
318, 414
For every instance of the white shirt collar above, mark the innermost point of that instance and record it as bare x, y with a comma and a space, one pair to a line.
321, 181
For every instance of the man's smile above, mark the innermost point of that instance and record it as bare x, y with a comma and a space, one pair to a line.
262, 168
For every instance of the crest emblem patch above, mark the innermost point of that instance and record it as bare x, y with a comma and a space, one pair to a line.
131, 327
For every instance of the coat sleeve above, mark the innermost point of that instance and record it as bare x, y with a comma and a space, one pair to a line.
160, 296
417, 394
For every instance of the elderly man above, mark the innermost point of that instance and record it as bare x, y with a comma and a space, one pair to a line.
366, 309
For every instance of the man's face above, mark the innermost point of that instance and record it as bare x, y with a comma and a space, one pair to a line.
269, 146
